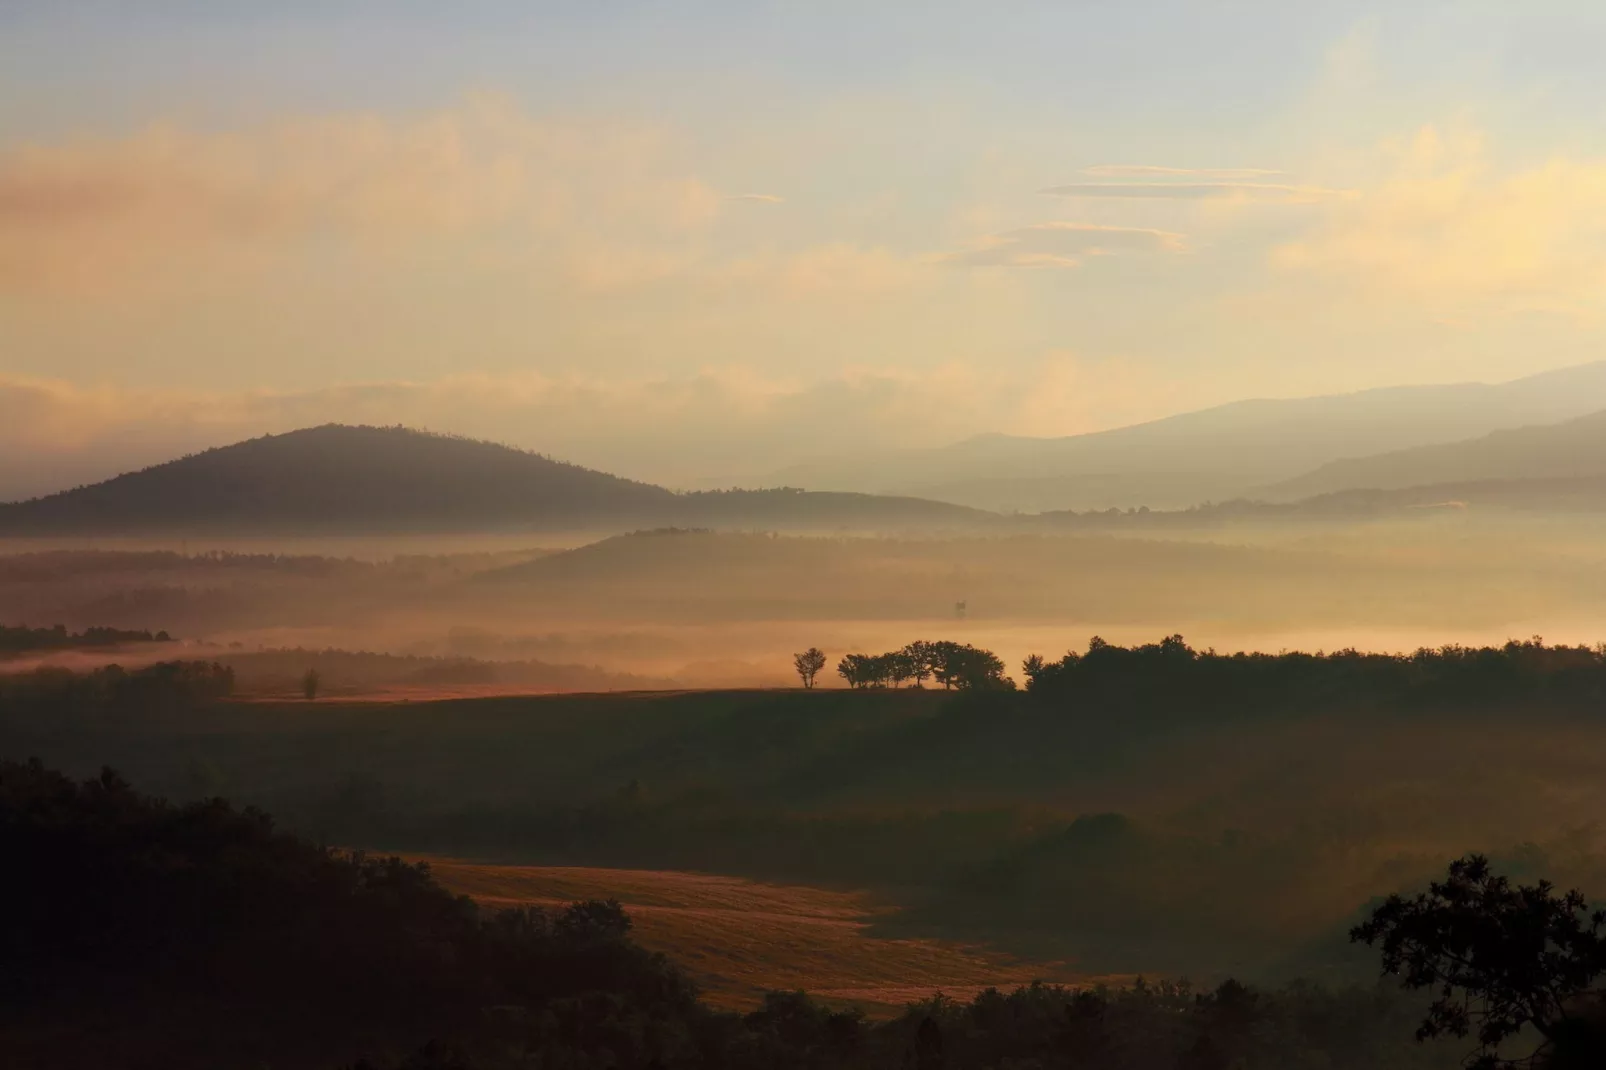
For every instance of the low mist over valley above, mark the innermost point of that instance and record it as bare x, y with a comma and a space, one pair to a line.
391, 541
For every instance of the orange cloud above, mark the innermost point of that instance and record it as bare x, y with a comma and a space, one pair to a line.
109, 212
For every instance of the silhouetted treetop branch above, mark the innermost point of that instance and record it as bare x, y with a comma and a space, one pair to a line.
1500, 957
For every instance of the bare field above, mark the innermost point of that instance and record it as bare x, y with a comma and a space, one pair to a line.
741, 938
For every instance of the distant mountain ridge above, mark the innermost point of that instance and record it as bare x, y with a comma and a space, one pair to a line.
1568, 450
337, 479
1212, 454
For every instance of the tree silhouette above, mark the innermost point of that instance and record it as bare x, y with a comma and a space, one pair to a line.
808, 664
309, 684
920, 661
1032, 668
943, 657
856, 669
900, 666
975, 669
1500, 957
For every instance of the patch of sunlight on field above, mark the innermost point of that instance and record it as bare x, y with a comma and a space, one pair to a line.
740, 938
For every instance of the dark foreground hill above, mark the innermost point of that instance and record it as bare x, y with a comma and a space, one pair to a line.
339, 479
183, 937
151, 935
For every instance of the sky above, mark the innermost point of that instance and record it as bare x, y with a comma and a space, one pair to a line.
696, 242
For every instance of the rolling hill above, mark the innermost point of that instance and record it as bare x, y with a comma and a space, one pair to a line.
340, 479
1212, 454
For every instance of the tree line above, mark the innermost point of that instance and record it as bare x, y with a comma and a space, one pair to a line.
22, 639
1172, 679
956, 666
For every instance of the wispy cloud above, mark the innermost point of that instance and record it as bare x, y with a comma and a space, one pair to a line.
760, 198
1140, 170
1063, 245
1257, 192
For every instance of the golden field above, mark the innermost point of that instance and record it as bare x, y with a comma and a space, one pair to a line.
741, 938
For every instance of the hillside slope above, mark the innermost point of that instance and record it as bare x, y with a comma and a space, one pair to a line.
336, 478
1211, 454
1568, 450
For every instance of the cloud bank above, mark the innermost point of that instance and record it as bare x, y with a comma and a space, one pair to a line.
1063, 245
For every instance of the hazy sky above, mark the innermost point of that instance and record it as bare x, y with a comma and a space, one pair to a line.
704, 239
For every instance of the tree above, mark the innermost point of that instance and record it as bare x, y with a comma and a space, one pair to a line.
309, 684
900, 666
974, 669
1500, 957
879, 669
808, 664
943, 657
967, 667
920, 661
856, 669
1032, 667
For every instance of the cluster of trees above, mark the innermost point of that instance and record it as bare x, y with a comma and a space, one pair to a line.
23, 639
953, 665
1171, 675
203, 936
164, 683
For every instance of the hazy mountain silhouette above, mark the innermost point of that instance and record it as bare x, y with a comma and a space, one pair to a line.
1563, 494
1568, 450
1211, 454
337, 478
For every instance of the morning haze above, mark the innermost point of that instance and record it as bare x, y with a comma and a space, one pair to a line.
727, 536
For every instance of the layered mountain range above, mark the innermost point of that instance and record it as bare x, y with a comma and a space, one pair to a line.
1533, 443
